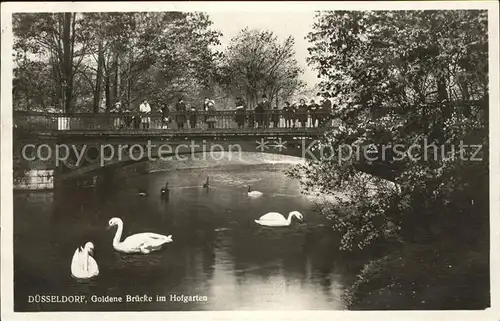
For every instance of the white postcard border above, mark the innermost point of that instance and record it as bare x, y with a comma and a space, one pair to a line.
6, 222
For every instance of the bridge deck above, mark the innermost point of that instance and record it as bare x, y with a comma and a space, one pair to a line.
128, 127
224, 123
189, 132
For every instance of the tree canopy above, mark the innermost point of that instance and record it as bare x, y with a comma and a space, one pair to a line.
87, 61
402, 78
84, 60
255, 63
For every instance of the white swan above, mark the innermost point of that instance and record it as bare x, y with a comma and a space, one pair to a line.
137, 243
254, 193
277, 219
83, 265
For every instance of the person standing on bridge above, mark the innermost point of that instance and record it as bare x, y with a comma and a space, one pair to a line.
326, 110
145, 109
205, 108
313, 111
181, 110
117, 122
165, 119
192, 116
302, 113
293, 111
210, 117
287, 114
266, 106
239, 114
276, 117
259, 115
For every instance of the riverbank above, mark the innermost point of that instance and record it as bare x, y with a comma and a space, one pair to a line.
434, 276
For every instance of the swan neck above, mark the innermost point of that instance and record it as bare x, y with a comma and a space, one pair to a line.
118, 234
289, 220
86, 260
83, 259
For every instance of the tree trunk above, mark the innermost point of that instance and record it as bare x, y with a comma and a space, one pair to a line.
54, 68
97, 90
129, 92
27, 99
116, 85
107, 90
441, 90
443, 96
67, 63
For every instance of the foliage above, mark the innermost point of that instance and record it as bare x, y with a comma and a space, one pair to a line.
406, 78
112, 56
255, 63
435, 279
306, 93
34, 85
52, 37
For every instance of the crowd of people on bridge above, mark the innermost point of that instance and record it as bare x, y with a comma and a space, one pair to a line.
289, 116
184, 115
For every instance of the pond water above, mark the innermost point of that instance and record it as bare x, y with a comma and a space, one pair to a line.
218, 250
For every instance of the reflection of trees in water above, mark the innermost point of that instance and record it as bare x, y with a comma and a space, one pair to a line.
261, 251
208, 250
202, 238
105, 183
325, 264
194, 237
302, 257
78, 218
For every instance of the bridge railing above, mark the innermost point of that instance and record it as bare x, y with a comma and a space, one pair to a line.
200, 120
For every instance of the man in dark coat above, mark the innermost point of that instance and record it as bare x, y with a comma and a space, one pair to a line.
326, 110
259, 115
275, 116
302, 113
205, 108
165, 119
288, 114
181, 110
239, 114
192, 116
314, 111
266, 107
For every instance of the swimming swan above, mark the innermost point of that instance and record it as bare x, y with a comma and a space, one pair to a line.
254, 193
276, 219
141, 192
83, 265
137, 243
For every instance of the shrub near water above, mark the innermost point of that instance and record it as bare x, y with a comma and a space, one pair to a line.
403, 78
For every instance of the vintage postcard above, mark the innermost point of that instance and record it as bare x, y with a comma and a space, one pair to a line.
250, 160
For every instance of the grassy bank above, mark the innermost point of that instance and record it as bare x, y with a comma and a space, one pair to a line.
430, 276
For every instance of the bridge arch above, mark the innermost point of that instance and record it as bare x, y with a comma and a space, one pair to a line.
87, 168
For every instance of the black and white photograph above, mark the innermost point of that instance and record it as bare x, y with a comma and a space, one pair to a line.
318, 157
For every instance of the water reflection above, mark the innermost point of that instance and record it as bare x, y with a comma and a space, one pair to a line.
218, 250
